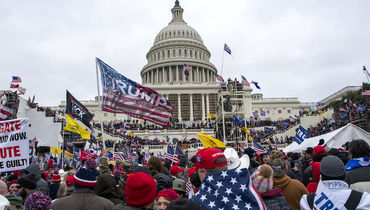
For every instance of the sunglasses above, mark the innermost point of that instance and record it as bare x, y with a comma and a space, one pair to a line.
18, 186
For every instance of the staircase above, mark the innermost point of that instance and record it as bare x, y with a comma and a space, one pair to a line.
306, 121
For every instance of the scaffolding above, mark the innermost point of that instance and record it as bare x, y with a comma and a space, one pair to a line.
231, 102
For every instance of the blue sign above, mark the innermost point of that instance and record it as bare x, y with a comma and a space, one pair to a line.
301, 135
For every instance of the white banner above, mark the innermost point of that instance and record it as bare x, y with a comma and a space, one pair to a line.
14, 144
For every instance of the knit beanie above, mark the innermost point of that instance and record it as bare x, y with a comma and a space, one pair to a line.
86, 176
262, 178
168, 193
37, 200
29, 181
56, 177
117, 176
140, 189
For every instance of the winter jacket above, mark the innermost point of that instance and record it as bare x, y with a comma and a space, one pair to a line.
82, 199
53, 190
359, 179
292, 190
163, 182
16, 202
341, 192
42, 185
273, 199
307, 176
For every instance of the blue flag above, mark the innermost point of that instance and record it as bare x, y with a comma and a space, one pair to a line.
256, 84
230, 189
227, 49
301, 135
237, 120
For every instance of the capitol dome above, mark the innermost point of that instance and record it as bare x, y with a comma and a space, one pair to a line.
179, 69
175, 45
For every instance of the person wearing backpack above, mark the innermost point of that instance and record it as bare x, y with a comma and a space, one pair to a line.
332, 192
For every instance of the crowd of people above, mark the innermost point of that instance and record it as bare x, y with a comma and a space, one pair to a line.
214, 178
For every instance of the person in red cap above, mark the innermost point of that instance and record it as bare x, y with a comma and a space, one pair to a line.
319, 153
210, 160
164, 197
176, 171
140, 192
54, 186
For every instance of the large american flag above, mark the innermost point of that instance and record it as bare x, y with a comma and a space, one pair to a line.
170, 155
231, 190
122, 95
219, 78
258, 148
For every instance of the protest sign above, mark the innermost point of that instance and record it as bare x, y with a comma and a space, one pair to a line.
14, 144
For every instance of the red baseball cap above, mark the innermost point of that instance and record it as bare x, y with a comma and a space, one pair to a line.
205, 158
319, 150
191, 171
175, 169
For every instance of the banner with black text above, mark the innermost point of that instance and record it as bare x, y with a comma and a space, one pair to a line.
14, 144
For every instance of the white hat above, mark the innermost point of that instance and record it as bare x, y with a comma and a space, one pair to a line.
3, 202
233, 160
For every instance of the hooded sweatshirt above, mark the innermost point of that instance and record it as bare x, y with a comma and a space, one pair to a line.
292, 190
42, 185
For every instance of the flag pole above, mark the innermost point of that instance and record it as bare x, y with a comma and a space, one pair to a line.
100, 105
366, 73
222, 63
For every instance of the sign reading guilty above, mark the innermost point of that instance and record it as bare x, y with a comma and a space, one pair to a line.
14, 144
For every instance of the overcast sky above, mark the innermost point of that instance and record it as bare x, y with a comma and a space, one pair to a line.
306, 49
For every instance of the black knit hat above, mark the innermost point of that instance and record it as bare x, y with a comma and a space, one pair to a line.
183, 204
28, 181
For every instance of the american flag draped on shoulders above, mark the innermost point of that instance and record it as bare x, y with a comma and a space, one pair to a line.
122, 95
228, 190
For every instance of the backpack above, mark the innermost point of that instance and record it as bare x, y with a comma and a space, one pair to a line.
351, 203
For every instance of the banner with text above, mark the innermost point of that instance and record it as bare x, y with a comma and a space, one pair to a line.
14, 144
301, 135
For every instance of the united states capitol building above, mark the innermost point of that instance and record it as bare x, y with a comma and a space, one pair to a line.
194, 91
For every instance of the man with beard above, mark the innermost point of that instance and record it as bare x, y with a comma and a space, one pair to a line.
26, 185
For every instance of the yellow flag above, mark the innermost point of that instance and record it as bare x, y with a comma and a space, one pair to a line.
130, 134
68, 154
74, 127
54, 150
250, 138
211, 116
320, 112
245, 130
209, 141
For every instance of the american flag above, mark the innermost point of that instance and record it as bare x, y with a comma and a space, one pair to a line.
188, 186
16, 79
258, 148
245, 81
227, 49
13, 85
5, 113
219, 78
170, 155
122, 95
263, 113
187, 67
232, 189
118, 156
241, 146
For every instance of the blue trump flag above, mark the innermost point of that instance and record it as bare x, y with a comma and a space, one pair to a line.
237, 120
301, 135
232, 189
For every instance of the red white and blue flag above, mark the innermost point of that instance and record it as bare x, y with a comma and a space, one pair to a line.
245, 81
258, 148
232, 189
122, 95
171, 155
5, 113
118, 156
219, 78
16, 79
187, 67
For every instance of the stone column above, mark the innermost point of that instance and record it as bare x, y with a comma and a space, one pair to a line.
177, 73
152, 76
191, 107
207, 99
170, 74
179, 106
203, 114
163, 75
204, 75
191, 75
